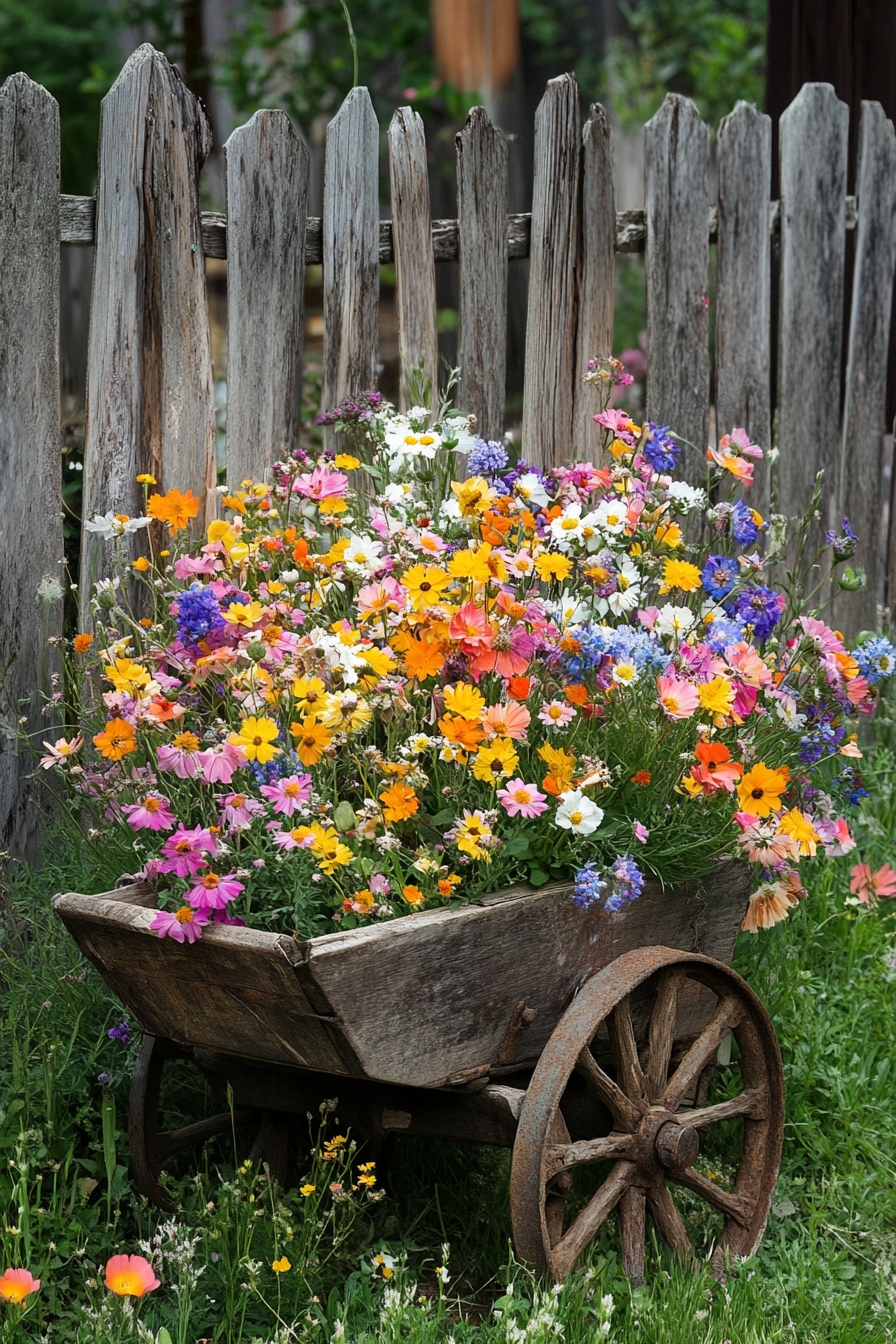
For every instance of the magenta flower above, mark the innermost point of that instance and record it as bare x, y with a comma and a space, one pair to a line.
238, 810
321, 483
184, 852
214, 892
152, 814
288, 795
522, 800
379, 885
184, 925
184, 763
219, 764
641, 831
291, 839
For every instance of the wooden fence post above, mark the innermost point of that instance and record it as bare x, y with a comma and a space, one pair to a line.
30, 463
814, 132
267, 195
598, 270
482, 247
415, 267
551, 326
743, 333
676, 151
351, 250
150, 394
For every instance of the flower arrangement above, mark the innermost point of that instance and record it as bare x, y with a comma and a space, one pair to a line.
410, 671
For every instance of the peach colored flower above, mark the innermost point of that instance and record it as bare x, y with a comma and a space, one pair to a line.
130, 1276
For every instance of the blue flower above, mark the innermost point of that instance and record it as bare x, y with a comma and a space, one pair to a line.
628, 880
719, 576
198, 614
744, 528
486, 458
759, 607
876, 659
660, 448
722, 632
589, 886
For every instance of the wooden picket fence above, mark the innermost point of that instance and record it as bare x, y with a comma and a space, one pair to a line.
150, 404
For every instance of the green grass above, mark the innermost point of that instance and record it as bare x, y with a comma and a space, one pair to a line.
822, 1274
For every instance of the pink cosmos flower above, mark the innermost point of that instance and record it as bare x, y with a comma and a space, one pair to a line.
184, 852
678, 698
321, 483
641, 831
856, 691
288, 795
219, 764
741, 440
184, 925
188, 566
60, 750
185, 764
744, 700
385, 595
291, 839
509, 654
511, 720
238, 810
428, 542
866, 884
471, 628
648, 617
835, 836
822, 636
214, 892
522, 800
379, 885
556, 714
152, 814
618, 423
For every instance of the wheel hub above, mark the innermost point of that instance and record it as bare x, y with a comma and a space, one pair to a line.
664, 1142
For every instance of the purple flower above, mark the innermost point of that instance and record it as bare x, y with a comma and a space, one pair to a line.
184, 925
120, 1033
759, 607
198, 613
719, 576
589, 886
659, 448
214, 892
486, 458
744, 528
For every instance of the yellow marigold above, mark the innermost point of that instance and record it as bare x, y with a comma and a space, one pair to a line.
472, 564
412, 894
399, 802
669, 534
496, 760
680, 574
347, 462
465, 700
561, 766
549, 566
798, 826
146, 479
126, 675
141, 564
312, 739
82, 643
256, 738
474, 495
174, 508
117, 740
717, 695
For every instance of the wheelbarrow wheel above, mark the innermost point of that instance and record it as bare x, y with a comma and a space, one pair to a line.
151, 1147
653, 1139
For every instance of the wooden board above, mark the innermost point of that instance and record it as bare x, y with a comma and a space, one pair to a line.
30, 463
415, 271
416, 1001
597, 264
267, 194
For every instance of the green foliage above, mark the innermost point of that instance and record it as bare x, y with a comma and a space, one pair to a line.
711, 50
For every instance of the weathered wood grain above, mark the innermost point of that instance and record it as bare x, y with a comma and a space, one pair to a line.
482, 250
676, 144
150, 394
864, 410
267, 194
743, 314
597, 267
554, 280
814, 132
351, 249
30, 462
415, 271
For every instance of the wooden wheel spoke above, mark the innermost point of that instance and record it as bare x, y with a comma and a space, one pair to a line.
737, 1207
625, 1051
662, 1033
632, 1223
170, 1141
625, 1114
753, 1104
565, 1156
664, 1212
566, 1251
727, 1014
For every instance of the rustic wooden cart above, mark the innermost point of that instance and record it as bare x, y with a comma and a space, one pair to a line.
573, 1037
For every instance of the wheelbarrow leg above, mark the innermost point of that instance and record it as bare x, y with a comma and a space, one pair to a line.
271, 1146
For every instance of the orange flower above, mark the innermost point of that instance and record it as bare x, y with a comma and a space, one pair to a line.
447, 884
313, 739
518, 688
413, 895
174, 508
576, 695
117, 740
400, 802
462, 732
130, 1276
641, 778
423, 657
83, 643
16, 1284
561, 767
768, 906
510, 720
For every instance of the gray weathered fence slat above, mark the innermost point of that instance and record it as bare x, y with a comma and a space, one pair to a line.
860, 491
597, 269
482, 251
676, 144
351, 249
30, 463
415, 270
267, 196
743, 333
551, 324
150, 393
814, 132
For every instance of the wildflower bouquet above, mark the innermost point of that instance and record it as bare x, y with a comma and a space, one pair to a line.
412, 672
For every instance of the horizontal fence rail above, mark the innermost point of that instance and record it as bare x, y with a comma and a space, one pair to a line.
150, 381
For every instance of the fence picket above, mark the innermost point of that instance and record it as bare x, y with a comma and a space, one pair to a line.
351, 249
150, 394
415, 268
864, 411
551, 335
814, 132
743, 335
30, 463
676, 161
267, 197
597, 266
482, 247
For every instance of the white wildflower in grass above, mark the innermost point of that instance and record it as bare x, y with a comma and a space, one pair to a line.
530, 488
611, 516
686, 497
674, 621
577, 813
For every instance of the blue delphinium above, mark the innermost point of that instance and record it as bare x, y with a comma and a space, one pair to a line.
628, 883
589, 886
198, 614
760, 608
744, 528
719, 575
486, 458
660, 448
876, 659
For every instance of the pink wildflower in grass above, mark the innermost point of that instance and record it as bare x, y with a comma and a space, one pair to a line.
188, 566
678, 698
856, 691
822, 636
60, 751
741, 440
153, 813
238, 810
214, 892
835, 836
184, 925
379, 885
220, 764
16, 1284
293, 839
428, 542
184, 852
321, 483
385, 595
288, 795
641, 832
556, 714
866, 885
183, 761
522, 800
509, 654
